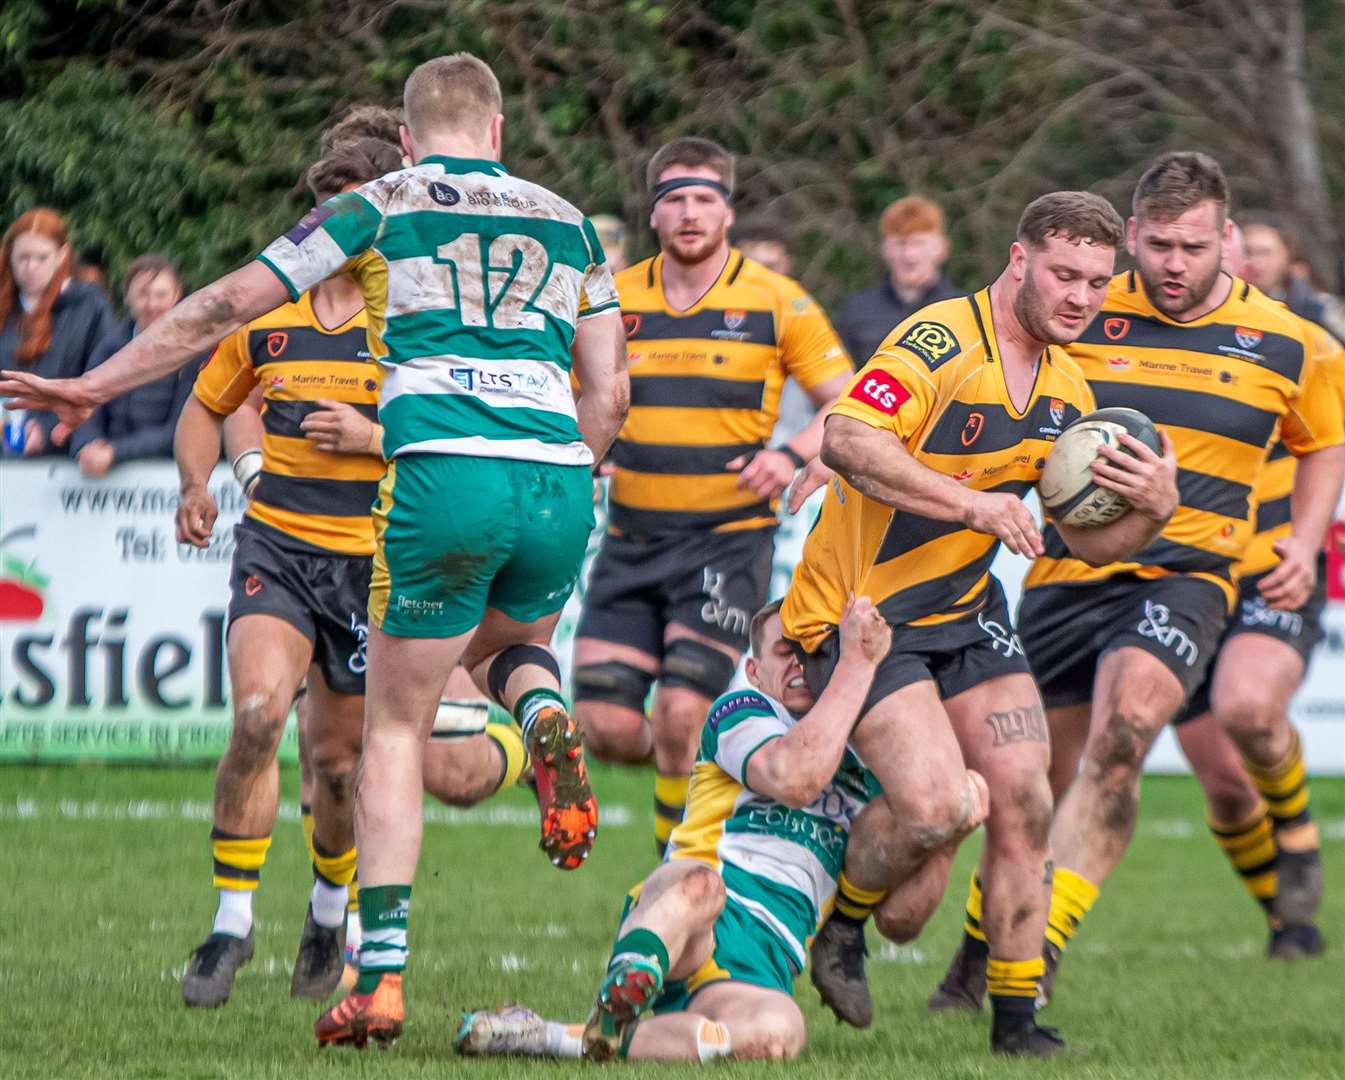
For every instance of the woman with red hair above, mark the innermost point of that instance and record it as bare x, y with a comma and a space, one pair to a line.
49, 321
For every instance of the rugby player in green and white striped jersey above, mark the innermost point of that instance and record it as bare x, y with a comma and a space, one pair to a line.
483, 292
711, 941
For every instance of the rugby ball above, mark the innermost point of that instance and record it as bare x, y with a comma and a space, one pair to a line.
1066, 487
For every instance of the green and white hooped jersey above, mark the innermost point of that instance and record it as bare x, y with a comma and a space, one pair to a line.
474, 282
778, 863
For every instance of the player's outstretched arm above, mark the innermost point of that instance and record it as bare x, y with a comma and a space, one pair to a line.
196, 324
794, 768
196, 446
599, 353
1149, 482
878, 465
1317, 483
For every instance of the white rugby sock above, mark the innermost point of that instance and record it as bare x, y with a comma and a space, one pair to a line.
328, 902
234, 914
564, 1040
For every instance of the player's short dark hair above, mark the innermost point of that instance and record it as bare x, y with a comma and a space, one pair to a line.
1178, 181
694, 153
1071, 215
355, 162
361, 122
756, 632
153, 265
761, 230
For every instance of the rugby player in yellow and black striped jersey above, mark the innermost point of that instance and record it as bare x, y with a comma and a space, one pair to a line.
1265, 827
300, 585
935, 442
711, 338
1117, 648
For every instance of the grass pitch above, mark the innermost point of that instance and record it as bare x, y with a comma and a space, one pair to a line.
107, 889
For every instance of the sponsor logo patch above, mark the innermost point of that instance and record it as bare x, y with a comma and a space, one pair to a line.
443, 194
729, 706
881, 390
463, 377
932, 342
309, 224
1118, 362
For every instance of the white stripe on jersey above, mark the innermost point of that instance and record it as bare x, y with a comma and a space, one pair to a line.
514, 449
763, 914
767, 858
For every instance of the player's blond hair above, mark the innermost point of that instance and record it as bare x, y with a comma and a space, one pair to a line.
1071, 215
456, 93
1178, 181
693, 153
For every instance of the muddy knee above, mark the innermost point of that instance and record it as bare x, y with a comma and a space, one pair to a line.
1020, 813
702, 889
257, 727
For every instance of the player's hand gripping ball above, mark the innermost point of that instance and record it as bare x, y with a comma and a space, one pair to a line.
1068, 489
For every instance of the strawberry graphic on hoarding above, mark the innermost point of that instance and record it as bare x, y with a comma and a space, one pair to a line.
21, 584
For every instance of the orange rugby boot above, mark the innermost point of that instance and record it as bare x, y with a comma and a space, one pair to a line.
569, 810
361, 1017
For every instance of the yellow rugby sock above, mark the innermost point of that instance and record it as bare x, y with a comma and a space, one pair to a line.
1284, 786
306, 823
353, 904
1014, 978
670, 803
854, 903
510, 741
1071, 897
1250, 847
238, 859
334, 869
971, 922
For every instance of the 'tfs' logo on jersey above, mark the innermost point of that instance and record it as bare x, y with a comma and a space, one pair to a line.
881, 390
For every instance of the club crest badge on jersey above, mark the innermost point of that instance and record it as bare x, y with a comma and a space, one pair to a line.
632, 324
1116, 329
734, 318
276, 342
932, 342
309, 224
1057, 411
1248, 338
971, 431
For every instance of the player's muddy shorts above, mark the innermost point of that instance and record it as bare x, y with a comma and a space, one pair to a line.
745, 951
955, 655
457, 534
1301, 630
1068, 629
324, 597
710, 582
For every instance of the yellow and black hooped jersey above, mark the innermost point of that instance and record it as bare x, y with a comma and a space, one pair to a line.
322, 500
705, 388
1221, 386
937, 383
1275, 483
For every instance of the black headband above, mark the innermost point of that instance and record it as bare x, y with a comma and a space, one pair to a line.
666, 187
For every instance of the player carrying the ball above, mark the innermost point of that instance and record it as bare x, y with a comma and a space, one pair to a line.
935, 442
1118, 648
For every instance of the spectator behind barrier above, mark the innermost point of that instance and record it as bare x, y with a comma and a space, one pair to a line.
50, 323
139, 424
1272, 251
914, 248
